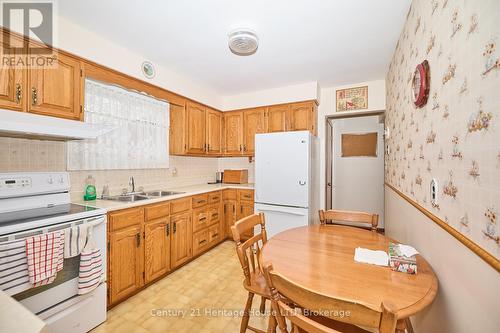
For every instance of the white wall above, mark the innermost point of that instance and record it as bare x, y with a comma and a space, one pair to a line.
376, 102
92, 46
358, 182
468, 295
293, 93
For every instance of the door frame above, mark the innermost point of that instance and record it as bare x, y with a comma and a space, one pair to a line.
328, 146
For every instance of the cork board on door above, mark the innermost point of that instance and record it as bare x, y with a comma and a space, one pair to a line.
359, 145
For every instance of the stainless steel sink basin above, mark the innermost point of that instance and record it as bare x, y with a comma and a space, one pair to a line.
127, 198
161, 193
137, 196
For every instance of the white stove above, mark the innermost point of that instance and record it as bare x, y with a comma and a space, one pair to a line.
37, 203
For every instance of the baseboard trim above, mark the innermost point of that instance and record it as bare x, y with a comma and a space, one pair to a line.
478, 250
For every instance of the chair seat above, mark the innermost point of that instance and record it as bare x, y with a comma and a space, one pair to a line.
258, 285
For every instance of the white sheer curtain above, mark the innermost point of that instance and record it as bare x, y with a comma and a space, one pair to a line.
139, 139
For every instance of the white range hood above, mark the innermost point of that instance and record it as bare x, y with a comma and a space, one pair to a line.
28, 125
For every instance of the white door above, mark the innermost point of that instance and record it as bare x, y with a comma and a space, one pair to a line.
358, 182
282, 168
280, 218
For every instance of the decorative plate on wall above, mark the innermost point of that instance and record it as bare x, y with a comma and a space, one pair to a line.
148, 69
421, 84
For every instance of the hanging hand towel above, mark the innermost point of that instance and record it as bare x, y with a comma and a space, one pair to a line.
91, 271
74, 240
14, 276
45, 255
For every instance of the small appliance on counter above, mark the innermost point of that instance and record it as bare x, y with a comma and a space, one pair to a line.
235, 176
218, 178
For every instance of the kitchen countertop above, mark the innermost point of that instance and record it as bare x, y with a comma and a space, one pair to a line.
111, 205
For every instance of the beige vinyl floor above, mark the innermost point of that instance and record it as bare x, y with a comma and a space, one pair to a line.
205, 295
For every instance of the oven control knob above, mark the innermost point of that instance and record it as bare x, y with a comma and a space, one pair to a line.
61, 180
50, 180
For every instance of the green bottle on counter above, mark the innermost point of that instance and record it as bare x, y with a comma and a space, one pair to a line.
90, 192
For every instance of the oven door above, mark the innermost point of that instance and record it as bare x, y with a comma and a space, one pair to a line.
65, 286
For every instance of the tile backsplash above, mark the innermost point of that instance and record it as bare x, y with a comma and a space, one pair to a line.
17, 155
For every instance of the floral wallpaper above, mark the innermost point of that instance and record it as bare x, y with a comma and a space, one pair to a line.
455, 137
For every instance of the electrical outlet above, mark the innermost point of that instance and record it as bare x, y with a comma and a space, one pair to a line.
434, 192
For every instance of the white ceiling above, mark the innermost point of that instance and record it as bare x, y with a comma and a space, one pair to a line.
333, 42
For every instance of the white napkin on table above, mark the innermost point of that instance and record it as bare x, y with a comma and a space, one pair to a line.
371, 257
407, 250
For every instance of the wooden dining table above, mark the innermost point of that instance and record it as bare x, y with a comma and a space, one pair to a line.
321, 259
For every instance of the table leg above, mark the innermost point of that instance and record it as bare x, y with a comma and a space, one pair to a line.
404, 326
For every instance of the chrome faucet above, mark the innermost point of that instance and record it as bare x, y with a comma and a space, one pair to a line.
131, 183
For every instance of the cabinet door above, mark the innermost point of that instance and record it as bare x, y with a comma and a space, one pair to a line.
277, 118
177, 141
195, 128
157, 248
214, 132
181, 239
254, 121
245, 209
303, 117
12, 82
126, 262
56, 91
233, 139
229, 216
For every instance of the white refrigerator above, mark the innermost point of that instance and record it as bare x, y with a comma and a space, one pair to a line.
286, 186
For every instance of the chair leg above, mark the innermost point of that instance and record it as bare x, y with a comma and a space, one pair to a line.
273, 324
246, 314
262, 308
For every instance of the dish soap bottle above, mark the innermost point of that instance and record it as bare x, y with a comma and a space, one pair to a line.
90, 192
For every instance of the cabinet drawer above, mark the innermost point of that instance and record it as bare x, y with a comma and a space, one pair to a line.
214, 234
229, 194
200, 241
199, 200
180, 205
214, 197
126, 218
200, 219
214, 214
156, 211
245, 195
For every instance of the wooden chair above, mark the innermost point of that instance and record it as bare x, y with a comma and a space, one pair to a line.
248, 252
331, 315
349, 217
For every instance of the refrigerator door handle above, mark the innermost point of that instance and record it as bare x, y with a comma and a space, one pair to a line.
281, 211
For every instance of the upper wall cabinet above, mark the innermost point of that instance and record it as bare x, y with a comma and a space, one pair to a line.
254, 122
52, 91
56, 91
277, 118
195, 130
12, 81
213, 132
303, 116
233, 138
196, 139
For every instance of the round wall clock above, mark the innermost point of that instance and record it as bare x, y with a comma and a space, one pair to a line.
148, 69
421, 84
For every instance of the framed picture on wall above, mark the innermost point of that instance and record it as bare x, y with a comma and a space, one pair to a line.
352, 98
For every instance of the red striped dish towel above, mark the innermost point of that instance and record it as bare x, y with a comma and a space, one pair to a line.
91, 271
45, 254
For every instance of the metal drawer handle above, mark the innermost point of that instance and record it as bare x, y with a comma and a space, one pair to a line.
202, 218
19, 93
167, 229
175, 227
216, 215
202, 241
33, 96
138, 239
215, 235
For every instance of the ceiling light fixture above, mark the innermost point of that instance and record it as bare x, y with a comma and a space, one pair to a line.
243, 42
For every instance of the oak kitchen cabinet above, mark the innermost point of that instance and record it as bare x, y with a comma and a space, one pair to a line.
233, 138
51, 91
277, 118
126, 248
254, 122
195, 130
303, 116
147, 242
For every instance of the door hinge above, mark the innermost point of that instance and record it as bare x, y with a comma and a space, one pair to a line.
109, 246
81, 108
143, 275
143, 235
81, 72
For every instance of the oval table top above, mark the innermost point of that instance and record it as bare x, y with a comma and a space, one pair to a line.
321, 258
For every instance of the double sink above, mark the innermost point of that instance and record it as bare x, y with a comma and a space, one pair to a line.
137, 196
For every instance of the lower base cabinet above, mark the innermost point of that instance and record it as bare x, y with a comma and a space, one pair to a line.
147, 242
157, 248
